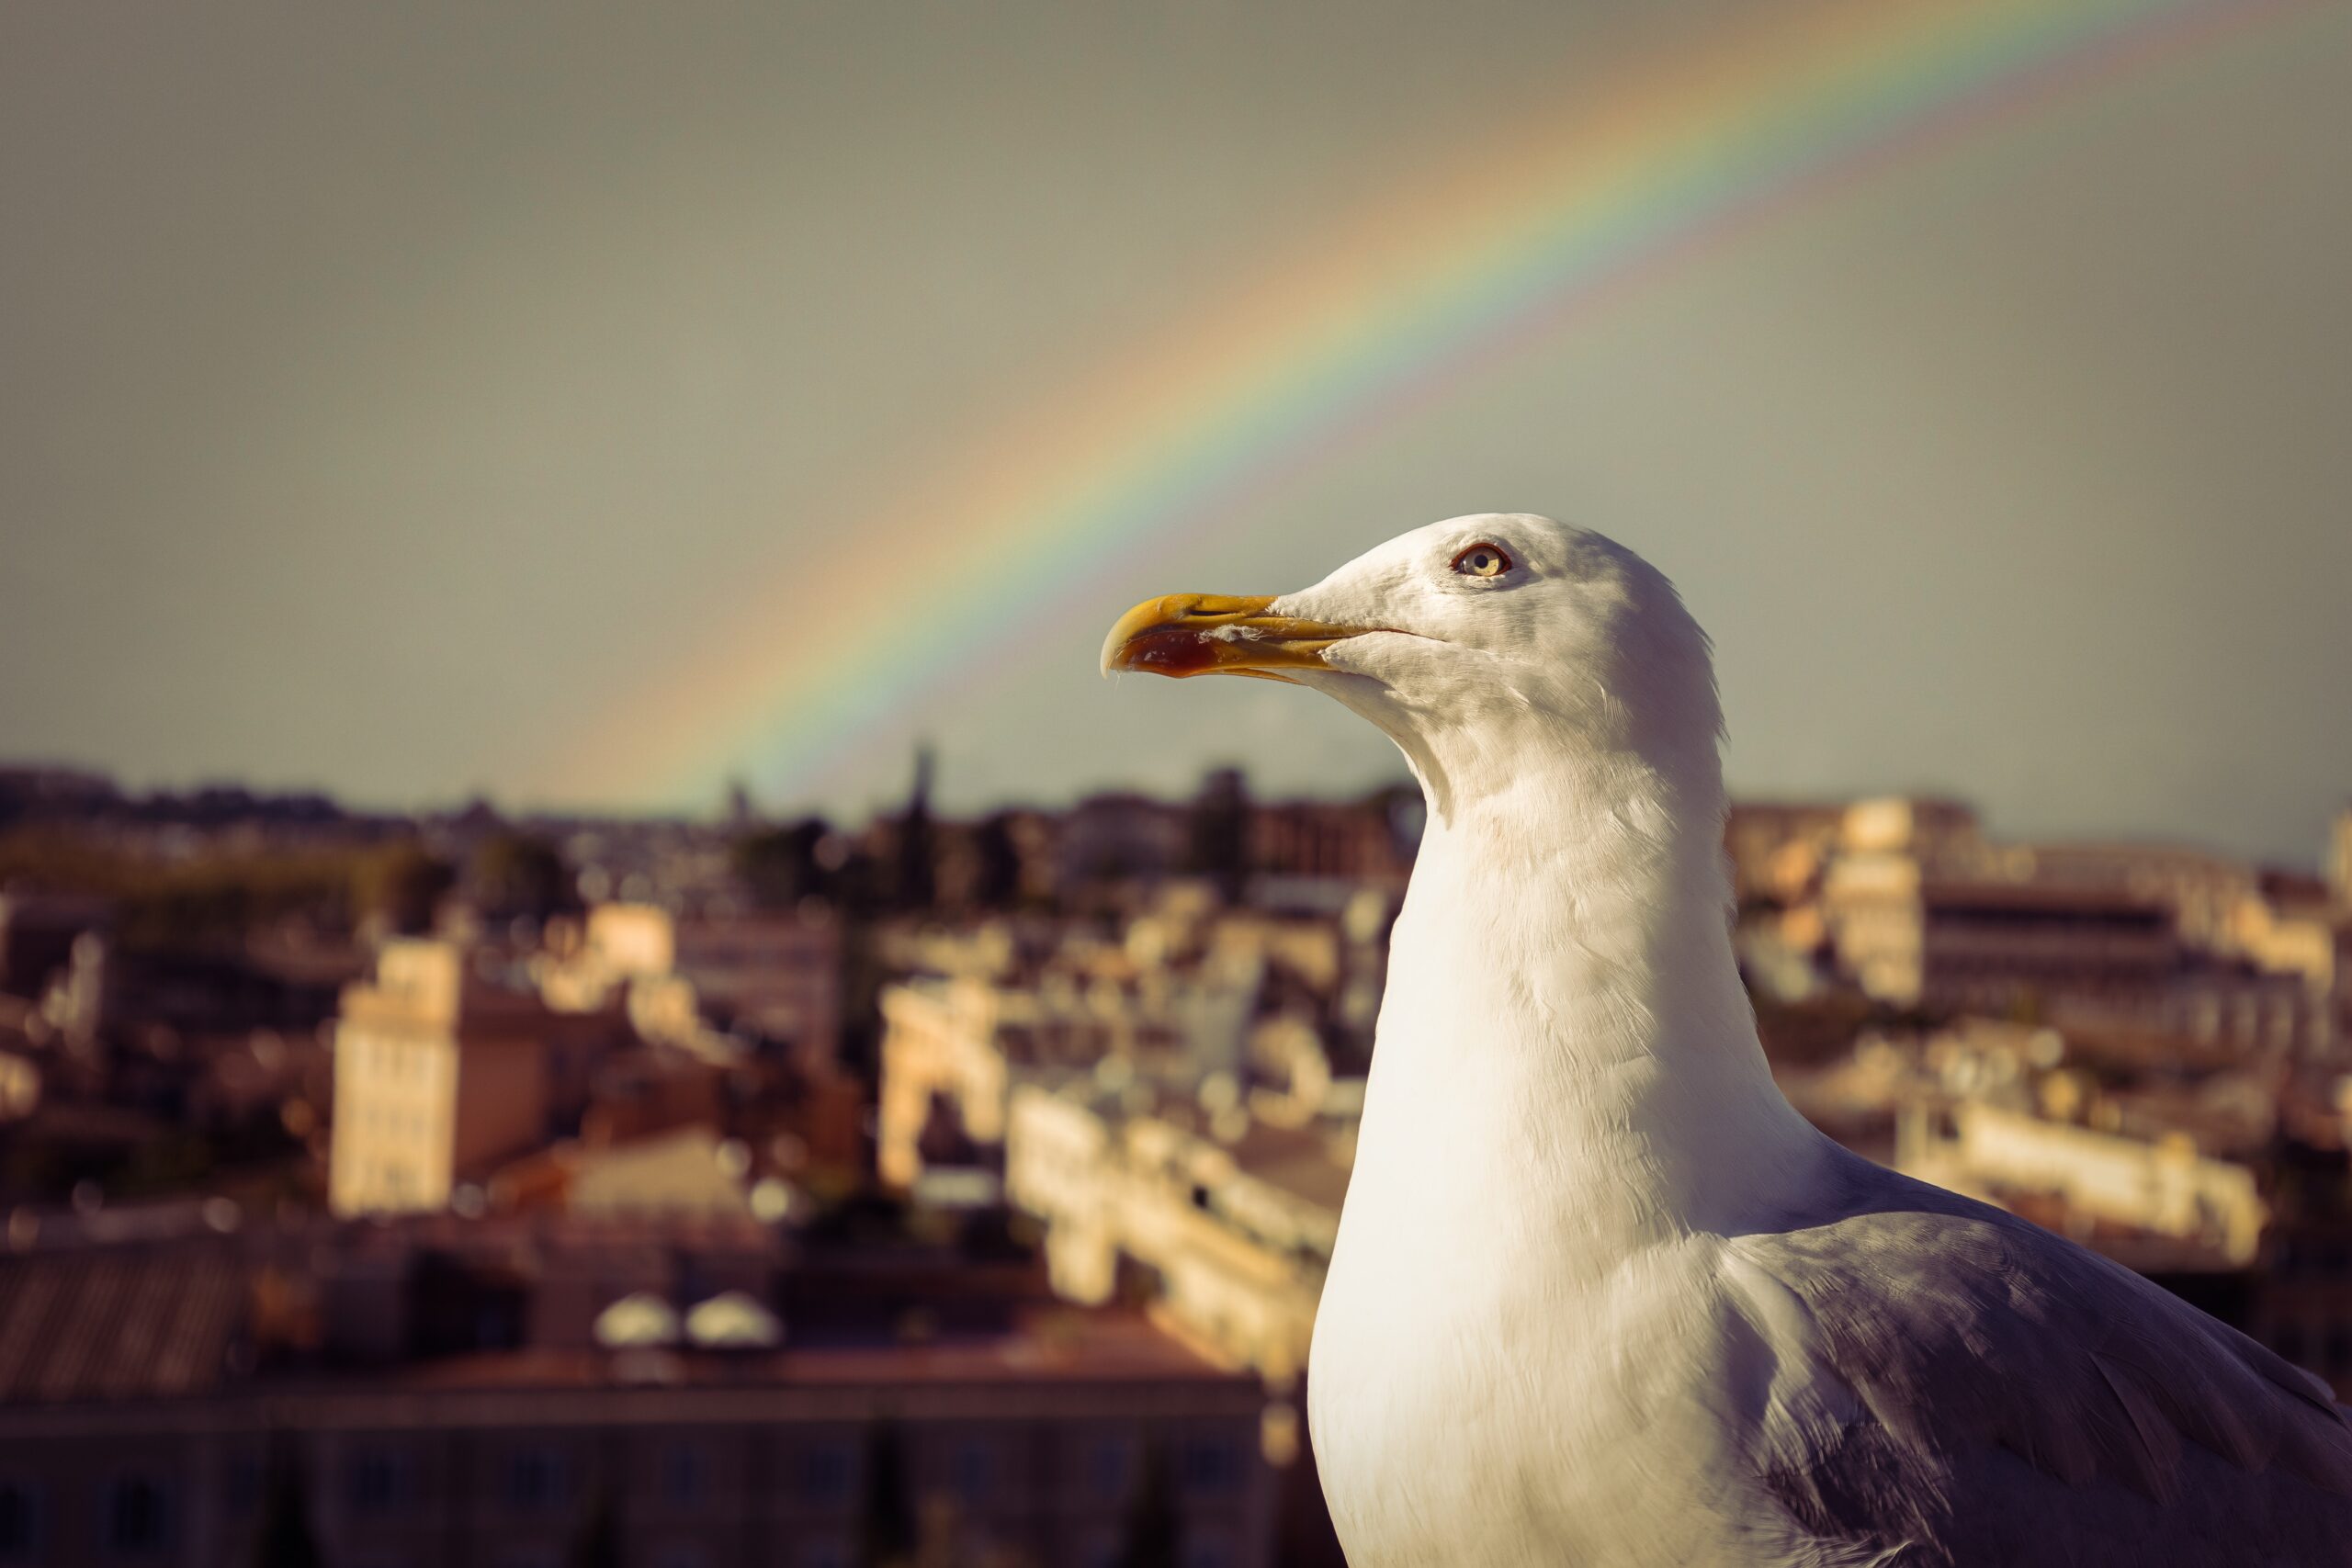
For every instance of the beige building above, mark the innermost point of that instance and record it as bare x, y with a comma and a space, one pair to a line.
955, 1050
1942, 835
944, 1052
1915, 939
440, 1076
1166, 1104
1232, 1220
2202, 889
2162, 1186
686, 978
1276, 1001
2092, 957
1914, 906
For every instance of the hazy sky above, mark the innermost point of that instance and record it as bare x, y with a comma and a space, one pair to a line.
388, 392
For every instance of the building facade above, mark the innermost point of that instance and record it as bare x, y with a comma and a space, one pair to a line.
440, 1076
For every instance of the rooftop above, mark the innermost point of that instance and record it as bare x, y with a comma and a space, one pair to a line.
118, 1322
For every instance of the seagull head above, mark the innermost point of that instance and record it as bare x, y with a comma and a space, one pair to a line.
1485, 646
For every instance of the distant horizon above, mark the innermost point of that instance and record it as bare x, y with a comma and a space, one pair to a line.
947, 805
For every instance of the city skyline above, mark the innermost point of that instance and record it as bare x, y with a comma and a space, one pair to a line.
600, 960
340, 459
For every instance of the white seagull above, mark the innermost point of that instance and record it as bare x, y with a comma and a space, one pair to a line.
1600, 1297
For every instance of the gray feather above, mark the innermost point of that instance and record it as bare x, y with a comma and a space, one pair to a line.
2018, 1401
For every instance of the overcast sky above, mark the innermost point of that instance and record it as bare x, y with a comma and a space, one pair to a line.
388, 391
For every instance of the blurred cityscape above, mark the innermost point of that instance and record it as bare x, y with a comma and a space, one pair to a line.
460, 1190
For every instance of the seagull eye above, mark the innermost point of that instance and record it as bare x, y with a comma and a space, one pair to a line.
1482, 560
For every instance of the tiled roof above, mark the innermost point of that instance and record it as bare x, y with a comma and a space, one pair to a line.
117, 1322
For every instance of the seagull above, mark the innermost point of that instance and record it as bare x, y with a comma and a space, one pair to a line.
1600, 1297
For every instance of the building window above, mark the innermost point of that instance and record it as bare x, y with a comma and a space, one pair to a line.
19, 1522
825, 1473
1211, 1466
135, 1521
1108, 1461
496, 1328
973, 1471
378, 1482
241, 1483
683, 1474
534, 1480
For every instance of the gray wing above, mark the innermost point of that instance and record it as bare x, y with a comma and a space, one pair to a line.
1926, 1380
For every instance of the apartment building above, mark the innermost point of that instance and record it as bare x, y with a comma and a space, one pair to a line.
442, 1074
139, 1427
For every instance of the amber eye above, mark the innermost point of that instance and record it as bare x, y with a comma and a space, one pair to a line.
1482, 560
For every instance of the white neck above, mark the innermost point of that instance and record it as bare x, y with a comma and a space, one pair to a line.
1565, 1037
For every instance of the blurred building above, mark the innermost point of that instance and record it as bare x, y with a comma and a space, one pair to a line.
1231, 1218
442, 1074
104, 990
676, 864
1116, 837
1914, 908
2203, 892
1276, 998
37, 931
1358, 842
2085, 1180
771, 982
1917, 941
443, 1414
687, 1173
1777, 847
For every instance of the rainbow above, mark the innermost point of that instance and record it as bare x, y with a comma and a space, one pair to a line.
1384, 314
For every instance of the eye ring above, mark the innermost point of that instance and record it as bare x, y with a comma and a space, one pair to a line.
1483, 560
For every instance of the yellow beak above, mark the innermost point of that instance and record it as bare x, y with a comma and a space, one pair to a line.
1208, 634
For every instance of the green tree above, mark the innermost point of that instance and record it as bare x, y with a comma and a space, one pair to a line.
518, 875
400, 883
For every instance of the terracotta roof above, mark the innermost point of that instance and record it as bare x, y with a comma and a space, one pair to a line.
118, 1323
